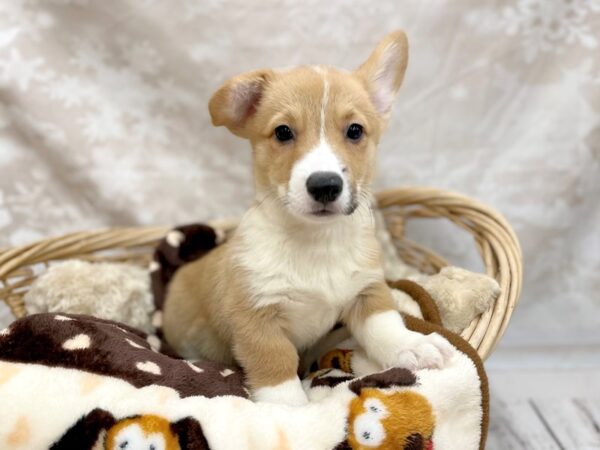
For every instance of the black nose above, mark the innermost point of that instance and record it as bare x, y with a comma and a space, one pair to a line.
324, 187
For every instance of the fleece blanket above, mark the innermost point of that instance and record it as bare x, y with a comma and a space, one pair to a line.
78, 382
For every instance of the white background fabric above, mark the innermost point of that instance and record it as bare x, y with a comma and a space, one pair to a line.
103, 121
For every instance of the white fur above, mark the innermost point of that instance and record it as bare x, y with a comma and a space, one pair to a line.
385, 339
312, 270
324, 100
320, 159
289, 392
406, 304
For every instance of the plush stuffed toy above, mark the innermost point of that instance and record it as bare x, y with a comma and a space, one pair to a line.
78, 382
112, 291
459, 294
75, 381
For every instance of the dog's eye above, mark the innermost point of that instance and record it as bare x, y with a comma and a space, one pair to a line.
354, 132
283, 133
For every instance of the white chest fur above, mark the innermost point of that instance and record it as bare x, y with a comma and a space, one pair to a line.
310, 271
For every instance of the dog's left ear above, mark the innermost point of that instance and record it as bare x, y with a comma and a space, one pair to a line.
383, 72
237, 100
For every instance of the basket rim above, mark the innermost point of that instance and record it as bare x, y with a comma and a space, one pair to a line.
502, 249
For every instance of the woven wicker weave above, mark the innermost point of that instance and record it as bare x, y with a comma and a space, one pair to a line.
495, 240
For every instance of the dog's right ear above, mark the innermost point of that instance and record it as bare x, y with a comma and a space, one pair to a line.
237, 100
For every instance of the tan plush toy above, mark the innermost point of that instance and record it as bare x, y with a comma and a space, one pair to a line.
390, 421
111, 291
459, 294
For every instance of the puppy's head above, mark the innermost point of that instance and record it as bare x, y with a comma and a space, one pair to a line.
314, 130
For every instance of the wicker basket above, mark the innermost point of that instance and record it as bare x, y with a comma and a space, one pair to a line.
495, 240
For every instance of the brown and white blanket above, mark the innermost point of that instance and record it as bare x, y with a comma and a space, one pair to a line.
77, 382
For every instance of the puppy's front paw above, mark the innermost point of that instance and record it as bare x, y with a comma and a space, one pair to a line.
420, 351
461, 295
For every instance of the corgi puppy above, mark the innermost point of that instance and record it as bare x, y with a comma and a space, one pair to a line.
305, 255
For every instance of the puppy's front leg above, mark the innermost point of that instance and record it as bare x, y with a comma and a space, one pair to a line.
268, 357
379, 329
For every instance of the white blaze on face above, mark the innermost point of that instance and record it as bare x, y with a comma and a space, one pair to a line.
321, 158
324, 101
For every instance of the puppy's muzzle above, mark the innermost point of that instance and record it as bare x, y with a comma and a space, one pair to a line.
324, 187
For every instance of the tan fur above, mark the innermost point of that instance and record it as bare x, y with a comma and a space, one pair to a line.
195, 314
282, 281
294, 97
221, 325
